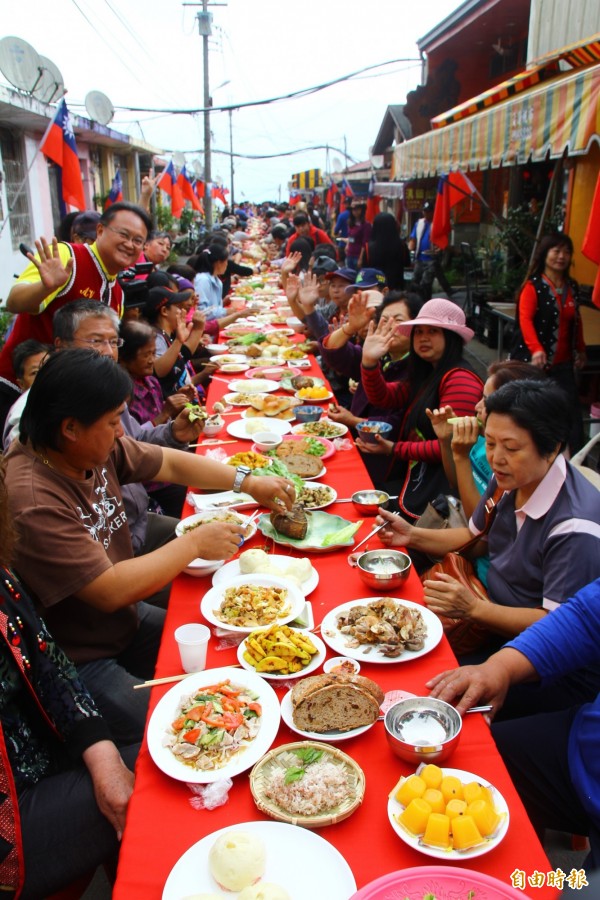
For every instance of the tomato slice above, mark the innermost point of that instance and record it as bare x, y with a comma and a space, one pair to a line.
192, 736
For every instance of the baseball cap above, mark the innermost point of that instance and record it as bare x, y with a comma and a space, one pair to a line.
161, 296
325, 265
184, 284
367, 279
86, 224
344, 272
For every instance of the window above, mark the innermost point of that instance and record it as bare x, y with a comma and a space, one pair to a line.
14, 175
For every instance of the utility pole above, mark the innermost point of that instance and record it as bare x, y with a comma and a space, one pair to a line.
204, 28
231, 170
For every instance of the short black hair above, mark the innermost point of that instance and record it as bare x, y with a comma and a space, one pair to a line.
300, 219
125, 206
69, 317
135, 335
24, 350
542, 408
184, 271
78, 384
412, 300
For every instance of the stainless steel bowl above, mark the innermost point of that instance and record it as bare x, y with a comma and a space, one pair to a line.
381, 570
422, 729
367, 502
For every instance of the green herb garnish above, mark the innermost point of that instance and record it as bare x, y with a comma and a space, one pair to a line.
307, 755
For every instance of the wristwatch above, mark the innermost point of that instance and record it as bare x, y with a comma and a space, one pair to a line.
240, 474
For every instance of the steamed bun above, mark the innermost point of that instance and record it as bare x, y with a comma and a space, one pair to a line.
264, 891
300, 569
253, 561
237, 860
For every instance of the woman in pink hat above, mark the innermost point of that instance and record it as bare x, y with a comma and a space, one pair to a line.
437, 375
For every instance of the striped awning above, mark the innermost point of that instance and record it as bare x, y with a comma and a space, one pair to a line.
546, 119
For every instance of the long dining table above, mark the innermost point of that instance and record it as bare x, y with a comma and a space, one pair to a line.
161, 823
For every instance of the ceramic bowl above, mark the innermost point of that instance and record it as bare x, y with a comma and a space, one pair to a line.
368, 430
308, 413
267, 440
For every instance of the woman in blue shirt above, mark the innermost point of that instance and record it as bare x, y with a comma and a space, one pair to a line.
210, 263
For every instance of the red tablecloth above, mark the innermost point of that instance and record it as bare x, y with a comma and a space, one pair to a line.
161, 824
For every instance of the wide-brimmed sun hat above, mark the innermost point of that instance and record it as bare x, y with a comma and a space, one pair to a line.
440, 313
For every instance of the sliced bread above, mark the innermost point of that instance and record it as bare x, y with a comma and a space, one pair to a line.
335, 702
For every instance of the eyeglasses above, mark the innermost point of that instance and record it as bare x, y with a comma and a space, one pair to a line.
136, 241
96, 343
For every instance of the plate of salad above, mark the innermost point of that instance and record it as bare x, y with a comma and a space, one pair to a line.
319, 447
214, 724
325, 532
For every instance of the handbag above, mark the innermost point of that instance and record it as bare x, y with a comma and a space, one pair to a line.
464, 635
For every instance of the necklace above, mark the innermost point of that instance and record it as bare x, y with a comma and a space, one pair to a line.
45, 461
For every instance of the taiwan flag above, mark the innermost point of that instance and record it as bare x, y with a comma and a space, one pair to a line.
187, 189
168, 183
295, 197
451, 189
591, 241
218, 193
346, 189
200, 188
116, 191
332, 190
58, 144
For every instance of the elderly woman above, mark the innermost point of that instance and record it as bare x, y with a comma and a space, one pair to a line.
544, 539
437, 375
550, 333
65, 785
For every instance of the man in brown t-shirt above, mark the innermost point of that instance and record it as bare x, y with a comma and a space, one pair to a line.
74, 549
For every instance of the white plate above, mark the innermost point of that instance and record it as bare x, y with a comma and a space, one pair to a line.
314, 477
207, 516
296, 857
223, 358
256, 386
322, 505
300, 429
337, 641
214, 597
394, 809
166, 709
220, 500
310, 401
330, 737
232, 570
246, 429
233, 368
217, 348
229, 398
315, 661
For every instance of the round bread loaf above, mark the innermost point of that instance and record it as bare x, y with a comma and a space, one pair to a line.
335, 702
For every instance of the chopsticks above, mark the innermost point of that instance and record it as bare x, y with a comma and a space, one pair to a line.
210, 443
171, 678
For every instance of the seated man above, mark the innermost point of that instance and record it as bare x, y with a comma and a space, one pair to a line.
61, 273
75, 552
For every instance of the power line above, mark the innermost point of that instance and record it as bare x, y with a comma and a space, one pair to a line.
304, 92
272, 155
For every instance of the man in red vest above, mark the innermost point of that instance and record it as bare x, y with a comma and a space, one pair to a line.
305, 228
61, 272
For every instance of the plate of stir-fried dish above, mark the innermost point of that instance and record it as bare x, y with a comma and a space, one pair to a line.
247, 602
213, 725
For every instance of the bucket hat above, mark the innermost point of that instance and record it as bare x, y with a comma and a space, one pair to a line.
440, 313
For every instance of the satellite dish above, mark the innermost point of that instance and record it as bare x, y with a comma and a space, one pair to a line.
337, 164
99, 107
51, 85
198, 168
179, 159
20, 63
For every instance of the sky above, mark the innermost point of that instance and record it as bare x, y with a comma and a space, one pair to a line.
148, 53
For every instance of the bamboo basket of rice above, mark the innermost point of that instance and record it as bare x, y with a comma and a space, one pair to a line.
329, 789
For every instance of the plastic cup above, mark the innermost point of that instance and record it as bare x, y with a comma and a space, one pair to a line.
192, 641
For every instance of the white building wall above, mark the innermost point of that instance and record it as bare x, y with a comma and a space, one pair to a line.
555, 23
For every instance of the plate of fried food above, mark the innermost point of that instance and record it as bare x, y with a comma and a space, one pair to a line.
280, 653
248, 602
316, 496
249, 458
381, 629
324, 428
270, 405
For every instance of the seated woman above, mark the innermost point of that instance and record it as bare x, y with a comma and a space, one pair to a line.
65, 786
137, 356
340, 353
63, 481
544, 539
437, 375
209, 265
463, 445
